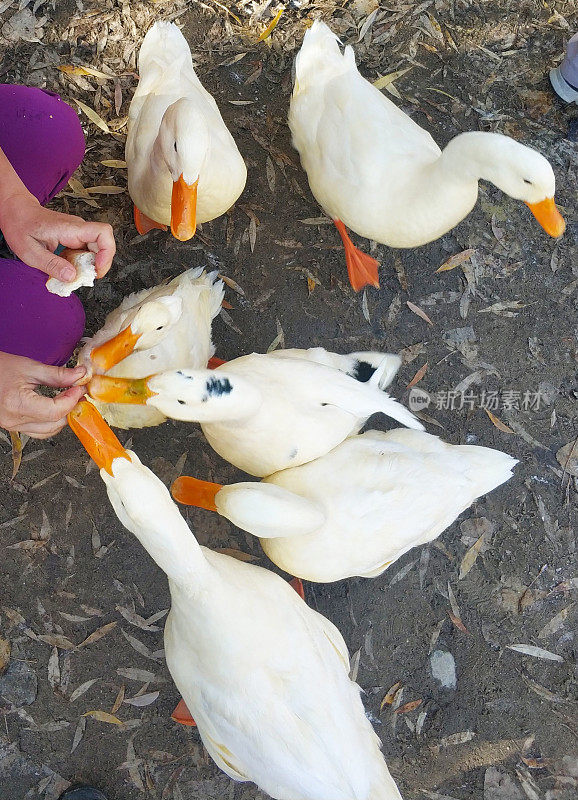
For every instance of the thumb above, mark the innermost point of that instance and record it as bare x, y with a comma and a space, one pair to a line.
54, 266
60, 377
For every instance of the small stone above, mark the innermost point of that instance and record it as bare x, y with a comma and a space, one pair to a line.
443, 669
19, 685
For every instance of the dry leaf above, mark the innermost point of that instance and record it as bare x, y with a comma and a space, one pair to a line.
457, 622
54, 669
114, 162
536, 652
386, 80
17, 448
80, 690
567, 457
455, 260
78, 733
103, 716
69, 69
106, 189
271, 26
57, 640
98, 634
498, 422
389, 697
418, 311
555, 623
142, 700
418, 376
141, 675
470, 557
406, 707
4, 654
119, 700
93, 116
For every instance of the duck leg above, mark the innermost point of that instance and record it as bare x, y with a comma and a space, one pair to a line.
362, 269
297, 584
215, 362
182, 715
144, 224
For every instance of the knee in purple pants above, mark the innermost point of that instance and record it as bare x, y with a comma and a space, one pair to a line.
43, 140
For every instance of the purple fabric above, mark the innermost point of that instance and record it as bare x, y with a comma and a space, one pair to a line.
43, 140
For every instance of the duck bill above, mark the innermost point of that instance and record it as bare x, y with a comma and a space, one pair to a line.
184, 209
110, 353
548, 216
193, 492
107, 389
96, 437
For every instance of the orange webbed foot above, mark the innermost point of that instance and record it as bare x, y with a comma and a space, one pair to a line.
297, 584
361, 268
144, 224
182, 715
215, 362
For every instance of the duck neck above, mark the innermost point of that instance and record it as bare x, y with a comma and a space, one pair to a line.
174, 548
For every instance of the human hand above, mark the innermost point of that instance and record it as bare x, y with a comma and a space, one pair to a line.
33, 233
23, 409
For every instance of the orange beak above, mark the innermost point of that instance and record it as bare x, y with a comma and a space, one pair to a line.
112, 352
548, 216
192, 492
184, 209
119, 390
97, 438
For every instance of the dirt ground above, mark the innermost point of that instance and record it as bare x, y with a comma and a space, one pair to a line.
465, 715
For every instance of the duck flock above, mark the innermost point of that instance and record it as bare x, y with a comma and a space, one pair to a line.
264, 677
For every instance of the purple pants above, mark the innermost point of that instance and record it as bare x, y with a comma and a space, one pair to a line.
42, 138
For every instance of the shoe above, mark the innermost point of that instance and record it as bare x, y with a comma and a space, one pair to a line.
82, 793
564, 79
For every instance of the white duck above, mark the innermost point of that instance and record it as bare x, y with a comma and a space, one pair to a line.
183, 164
359, 508
163, 328
372, 168
265, 677
264, 413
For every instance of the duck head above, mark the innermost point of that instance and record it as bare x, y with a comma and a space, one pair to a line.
147, 327
520, 172
183, 145
189, 395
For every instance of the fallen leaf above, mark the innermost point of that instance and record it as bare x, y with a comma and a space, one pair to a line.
385, 80
536, 652
53, 670
103, 716
140, 647
17, 447
418, 376
271, 26
57, 640
141, 675
470, 557
142, 699
567, 457
407, 707
4, 654
555, 623
114, 162
418, 311
455, 260
93, 116
69, 69
457, 622
118, 701
80, 690
78, 733
389, 697
106, 189
354, 665
498, 422
98, 634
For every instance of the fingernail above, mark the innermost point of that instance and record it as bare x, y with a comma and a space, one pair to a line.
67, 274
80, 370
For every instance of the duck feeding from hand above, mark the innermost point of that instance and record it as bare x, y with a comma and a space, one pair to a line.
266, 412
265, 677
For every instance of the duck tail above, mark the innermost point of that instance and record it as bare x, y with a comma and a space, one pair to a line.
319, 57
165, 47
486, 468
210, 287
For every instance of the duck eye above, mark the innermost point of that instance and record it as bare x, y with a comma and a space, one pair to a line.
527, 181
175, 146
